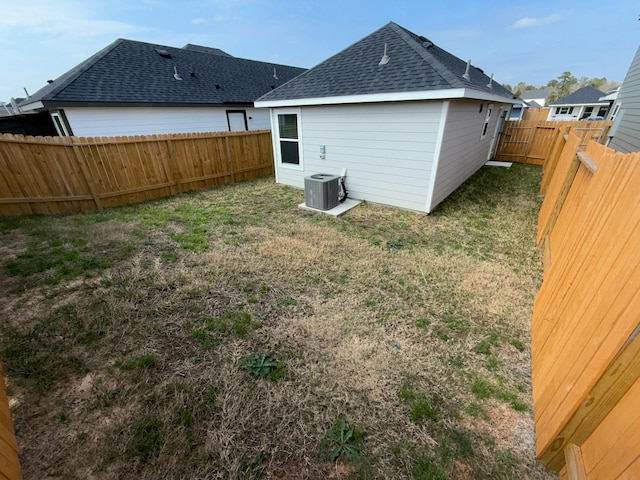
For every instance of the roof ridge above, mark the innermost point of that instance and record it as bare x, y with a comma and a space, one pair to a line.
451, 78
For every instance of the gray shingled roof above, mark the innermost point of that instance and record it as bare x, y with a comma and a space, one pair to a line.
128, 72
416, 65
584, 96
532, 94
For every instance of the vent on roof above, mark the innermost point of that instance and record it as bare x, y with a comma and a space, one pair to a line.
466, 72
426, 43
163, 53
385, 58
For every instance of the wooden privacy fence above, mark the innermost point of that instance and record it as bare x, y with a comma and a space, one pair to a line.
9, 464
532, 141
586, 318
74, 174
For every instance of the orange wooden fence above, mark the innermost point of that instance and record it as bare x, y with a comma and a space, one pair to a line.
9, 465
531, 141
74, 174
586, 319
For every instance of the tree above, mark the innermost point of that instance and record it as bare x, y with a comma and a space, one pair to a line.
563, 86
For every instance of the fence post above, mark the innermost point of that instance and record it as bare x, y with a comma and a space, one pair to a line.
85, 171
229, 159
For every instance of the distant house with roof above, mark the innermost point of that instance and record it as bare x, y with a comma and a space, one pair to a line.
584, 103
535, 98
409, 121
625, 132
137, 88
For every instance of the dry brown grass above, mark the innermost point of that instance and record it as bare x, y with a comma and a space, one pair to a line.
134, 341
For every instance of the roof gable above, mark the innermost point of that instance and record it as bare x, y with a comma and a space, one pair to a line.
138, 73
583, 96
416, 64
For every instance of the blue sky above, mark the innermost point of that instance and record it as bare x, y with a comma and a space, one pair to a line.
532, 41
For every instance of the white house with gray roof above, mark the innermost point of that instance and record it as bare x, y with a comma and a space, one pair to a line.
138, 88
408, 121
582, 104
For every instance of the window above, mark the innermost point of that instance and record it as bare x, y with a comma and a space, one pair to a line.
615, 111
487, 117
288, 138
587, 113
602, 111
59, 123
564, 110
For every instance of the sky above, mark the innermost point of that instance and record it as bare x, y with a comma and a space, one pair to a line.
516, 40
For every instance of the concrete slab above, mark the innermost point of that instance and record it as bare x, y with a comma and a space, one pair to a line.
341, 209
494, 163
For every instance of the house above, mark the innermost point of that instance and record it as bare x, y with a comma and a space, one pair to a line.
581, 104
535, 98
137, 88
408, 121
624, 135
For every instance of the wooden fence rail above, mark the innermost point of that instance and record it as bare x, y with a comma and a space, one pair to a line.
585, 342
9, 464
74, 174
531, 141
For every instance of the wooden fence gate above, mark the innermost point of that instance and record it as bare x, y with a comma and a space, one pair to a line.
532, 141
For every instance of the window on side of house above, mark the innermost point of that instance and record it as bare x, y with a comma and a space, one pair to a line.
564, 110
487, 118
615, 111
602, 111
59, 124
289, 138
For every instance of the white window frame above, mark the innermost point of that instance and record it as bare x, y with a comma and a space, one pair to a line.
564, 110
614, 112
276, 130
487, 119
59, 124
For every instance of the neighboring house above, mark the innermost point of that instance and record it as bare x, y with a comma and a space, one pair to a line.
408, 121
581, 104
137, 88
538, 97
625, 132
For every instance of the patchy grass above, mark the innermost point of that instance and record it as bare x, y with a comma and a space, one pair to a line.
225, 333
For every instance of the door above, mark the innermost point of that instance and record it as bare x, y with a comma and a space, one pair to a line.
237, 120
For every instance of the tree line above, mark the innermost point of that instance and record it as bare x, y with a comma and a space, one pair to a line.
563, 85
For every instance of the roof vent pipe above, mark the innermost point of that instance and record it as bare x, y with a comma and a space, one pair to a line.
490, 84
385, 58
466, 72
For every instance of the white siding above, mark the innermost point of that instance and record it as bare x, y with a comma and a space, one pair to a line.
387, 149
116, 121
463, 152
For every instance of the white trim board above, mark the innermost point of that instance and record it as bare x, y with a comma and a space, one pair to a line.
443, 94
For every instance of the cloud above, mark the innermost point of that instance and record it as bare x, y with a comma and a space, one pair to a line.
39, 17
527, 22
199, 21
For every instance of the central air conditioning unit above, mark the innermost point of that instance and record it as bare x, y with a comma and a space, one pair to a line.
321, 191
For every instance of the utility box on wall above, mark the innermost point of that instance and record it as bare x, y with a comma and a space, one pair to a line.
321, 191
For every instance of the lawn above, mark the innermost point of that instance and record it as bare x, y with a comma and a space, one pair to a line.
226, 334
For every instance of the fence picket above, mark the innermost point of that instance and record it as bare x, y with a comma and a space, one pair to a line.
73, 174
